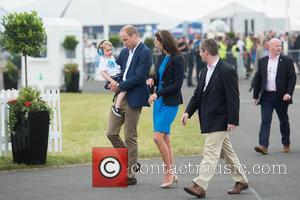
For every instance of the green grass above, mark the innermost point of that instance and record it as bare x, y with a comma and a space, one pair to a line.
84, 124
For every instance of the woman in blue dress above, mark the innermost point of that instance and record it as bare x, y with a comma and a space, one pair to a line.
166, 98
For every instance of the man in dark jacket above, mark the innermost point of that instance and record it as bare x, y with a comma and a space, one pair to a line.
274, 84
135, 61
217, 100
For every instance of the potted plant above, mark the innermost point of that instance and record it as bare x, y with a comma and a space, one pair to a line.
115, 40
69, 45
10, 76
29, 119
149, 42
23, 33
71, 73
28, 126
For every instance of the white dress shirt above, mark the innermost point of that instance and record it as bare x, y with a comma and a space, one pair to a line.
271, 74
131, 53
210, 70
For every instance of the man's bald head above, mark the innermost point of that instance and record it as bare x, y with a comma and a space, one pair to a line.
275, 41
275, 47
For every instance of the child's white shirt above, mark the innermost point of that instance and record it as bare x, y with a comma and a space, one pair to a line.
109, 65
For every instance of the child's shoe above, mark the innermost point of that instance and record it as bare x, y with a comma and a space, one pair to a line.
116, 111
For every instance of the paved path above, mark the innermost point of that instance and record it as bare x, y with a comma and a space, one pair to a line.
74, 183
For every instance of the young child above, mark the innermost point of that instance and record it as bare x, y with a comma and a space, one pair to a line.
110, 71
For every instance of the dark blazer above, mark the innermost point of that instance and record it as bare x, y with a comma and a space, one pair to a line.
172, 79
135, 84
285, 78
219, 104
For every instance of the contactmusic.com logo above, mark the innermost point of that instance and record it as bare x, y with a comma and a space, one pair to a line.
110, 167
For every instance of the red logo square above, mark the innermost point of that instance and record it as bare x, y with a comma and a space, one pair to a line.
110, 167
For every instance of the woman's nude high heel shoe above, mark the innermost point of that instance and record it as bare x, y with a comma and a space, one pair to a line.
169, 185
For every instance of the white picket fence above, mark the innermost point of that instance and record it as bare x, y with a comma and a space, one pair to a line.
52, 97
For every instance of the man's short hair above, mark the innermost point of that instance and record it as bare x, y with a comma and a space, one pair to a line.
130, 30
211, 46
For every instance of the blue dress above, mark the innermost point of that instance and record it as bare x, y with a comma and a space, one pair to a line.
163, 115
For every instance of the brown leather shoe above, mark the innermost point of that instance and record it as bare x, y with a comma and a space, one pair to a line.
286, 149
261, 149
196, 191
238, 188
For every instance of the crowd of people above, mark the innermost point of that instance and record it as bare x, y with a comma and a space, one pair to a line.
216, 97
242, 52
234, 46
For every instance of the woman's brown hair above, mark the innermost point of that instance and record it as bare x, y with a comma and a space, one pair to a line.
168, 42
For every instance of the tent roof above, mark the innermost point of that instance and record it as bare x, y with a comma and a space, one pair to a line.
2, 12
61, 22
45, 8
229, 10
99, 12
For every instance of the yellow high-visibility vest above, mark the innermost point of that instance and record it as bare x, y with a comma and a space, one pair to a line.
222, 50
249, 44
234, 51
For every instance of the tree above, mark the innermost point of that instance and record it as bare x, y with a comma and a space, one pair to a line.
149, 42
24, 33
115, 40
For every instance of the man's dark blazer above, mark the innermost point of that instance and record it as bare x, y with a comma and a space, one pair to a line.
285, 78
135, 84
219, 104
171, 80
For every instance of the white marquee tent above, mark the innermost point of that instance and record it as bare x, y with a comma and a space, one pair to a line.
244, 20
100, 12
